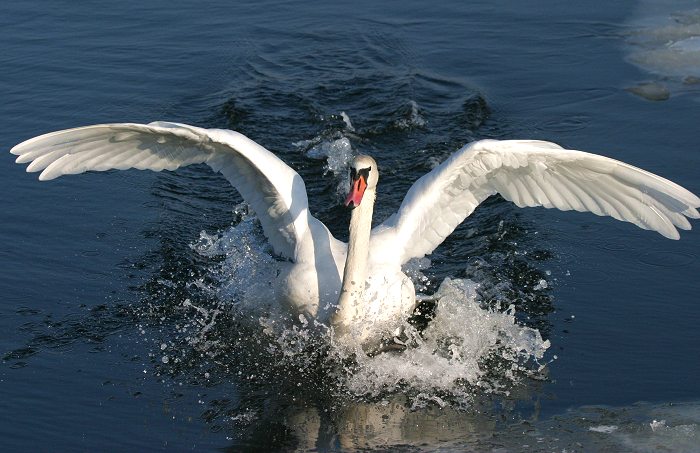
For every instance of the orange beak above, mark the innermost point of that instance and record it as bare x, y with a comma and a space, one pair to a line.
357, 189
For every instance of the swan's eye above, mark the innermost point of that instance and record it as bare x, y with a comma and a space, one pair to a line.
365, 173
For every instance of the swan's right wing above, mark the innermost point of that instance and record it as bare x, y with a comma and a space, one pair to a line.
530, 173
275, 192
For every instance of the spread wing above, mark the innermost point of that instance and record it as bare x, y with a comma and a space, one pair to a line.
532, 173
276, 193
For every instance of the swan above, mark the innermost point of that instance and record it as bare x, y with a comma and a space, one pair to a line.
359, 289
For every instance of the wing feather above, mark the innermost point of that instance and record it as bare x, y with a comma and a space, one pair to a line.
275, 192
532, 173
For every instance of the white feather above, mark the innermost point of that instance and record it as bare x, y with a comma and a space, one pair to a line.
533, 173
275, 191
527, 172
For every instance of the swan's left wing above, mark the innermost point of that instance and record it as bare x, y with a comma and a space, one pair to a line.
531, 173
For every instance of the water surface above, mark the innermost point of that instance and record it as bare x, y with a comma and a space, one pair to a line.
120, 322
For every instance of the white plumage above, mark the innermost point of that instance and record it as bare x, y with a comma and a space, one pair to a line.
526, 172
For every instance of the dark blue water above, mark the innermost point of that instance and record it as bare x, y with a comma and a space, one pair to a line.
95, 267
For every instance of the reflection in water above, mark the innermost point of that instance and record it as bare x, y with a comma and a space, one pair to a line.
392, 424
388, 423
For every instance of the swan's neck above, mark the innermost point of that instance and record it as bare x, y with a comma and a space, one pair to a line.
351, 299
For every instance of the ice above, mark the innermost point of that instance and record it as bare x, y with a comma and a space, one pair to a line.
657, 425
664, 39
606, 429
652, 91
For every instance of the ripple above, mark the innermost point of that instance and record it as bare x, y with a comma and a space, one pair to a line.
27, 311
614, 240
566, 257
587, 276
611, 246
667, 258
568, 124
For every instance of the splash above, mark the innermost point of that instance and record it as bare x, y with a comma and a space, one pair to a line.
248, 270
335, 147
465, 349
411, 117
332, 144
346, 120
338, 153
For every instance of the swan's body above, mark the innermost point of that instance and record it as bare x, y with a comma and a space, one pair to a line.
359, 288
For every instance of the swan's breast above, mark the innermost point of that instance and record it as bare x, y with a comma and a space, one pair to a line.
389, 294
308, 290
388, 300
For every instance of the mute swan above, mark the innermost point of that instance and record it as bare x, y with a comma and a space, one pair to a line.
373, 296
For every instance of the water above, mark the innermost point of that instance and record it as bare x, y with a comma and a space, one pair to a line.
123, 318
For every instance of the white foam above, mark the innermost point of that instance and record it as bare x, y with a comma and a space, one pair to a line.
338, 153
461, 350
414, 269
248, 268
541, 284
348, 123
451, 355
414, 118
336, 148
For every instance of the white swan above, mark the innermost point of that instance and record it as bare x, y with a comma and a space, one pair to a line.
359, 289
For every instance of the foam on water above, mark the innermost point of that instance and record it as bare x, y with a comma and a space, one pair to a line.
337, 151
459, 351
412, 117
334, 143
335, 147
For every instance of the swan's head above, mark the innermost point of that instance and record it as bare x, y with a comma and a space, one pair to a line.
363, 175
